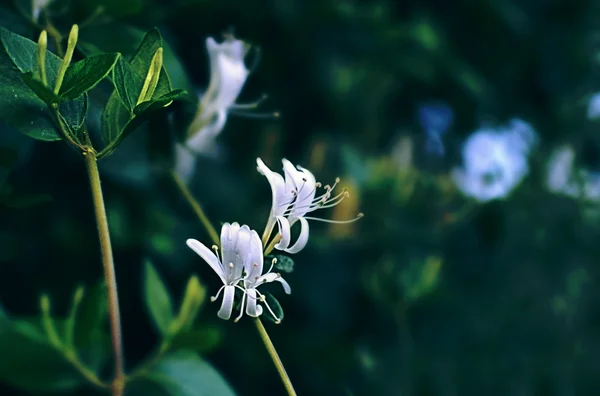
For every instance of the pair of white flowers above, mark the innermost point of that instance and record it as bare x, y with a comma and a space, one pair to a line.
241, 261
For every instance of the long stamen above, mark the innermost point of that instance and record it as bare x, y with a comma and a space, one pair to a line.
264, 301
248, 114
241, 309
214, 298
251, 105
358, 217
322, 203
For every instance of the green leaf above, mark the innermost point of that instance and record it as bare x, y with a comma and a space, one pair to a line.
128, 83
29, 362
74, 113
38, 87
142, 61
92, 314
157, 299
180, 374
158, 103
21, 108
198, 340
421, 278
86, 74
20, 105
195, 294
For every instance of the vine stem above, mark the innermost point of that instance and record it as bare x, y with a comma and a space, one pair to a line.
109, 271
212, 232
275, 357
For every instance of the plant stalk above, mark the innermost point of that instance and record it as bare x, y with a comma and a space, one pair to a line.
275, 357
109, 271
197, 208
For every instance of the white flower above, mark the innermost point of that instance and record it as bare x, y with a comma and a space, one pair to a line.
562, 177
241, 260
495, 161
293, 198
228, 73
37, 6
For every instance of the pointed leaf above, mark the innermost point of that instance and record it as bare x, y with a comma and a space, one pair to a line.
142, 60
20, 106
128, 83
198, 340
29, 362
181, 374
158, 103
42, 92
157, 299
86, 74
194, 296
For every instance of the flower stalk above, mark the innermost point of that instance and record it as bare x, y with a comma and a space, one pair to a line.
287, 383
212, 232
118, 384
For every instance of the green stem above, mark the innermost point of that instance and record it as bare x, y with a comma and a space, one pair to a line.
271, 246
197, 208
109, 271
275, 357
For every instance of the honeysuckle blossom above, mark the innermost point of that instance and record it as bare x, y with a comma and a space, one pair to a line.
241, 261
228, 74
294, 197
495, 161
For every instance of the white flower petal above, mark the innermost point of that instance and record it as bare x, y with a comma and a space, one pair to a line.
302, 239
253, 262
252, 304
209, 256
275, 277
285, 232
233, 75
227, 304
281, 198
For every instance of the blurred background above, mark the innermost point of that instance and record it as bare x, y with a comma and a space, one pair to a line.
465, 131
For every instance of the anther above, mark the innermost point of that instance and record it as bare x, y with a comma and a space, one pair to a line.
337, 179
318, 184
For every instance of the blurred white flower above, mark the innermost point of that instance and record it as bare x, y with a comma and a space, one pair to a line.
563, 178
228, 73
37, 6
293, 198
593, 111
495, 161
241, 260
